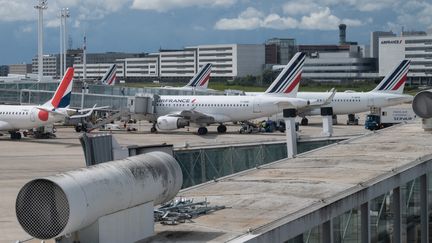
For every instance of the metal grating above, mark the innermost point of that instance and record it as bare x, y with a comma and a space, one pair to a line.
42, 209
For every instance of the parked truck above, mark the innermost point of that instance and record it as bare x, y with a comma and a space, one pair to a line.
384, 117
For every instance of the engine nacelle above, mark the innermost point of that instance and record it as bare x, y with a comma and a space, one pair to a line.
422, 104
171, 123
299, 103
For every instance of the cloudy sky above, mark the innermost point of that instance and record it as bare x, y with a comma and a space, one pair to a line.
147, 25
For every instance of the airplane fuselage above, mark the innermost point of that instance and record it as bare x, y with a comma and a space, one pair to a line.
354, 102
16, 117
227, 108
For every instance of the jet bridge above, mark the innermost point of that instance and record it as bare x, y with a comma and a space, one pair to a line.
143, 106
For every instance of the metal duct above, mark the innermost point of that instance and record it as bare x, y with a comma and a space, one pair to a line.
422, 104
64, 203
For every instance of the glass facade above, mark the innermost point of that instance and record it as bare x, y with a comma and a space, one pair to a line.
382, 216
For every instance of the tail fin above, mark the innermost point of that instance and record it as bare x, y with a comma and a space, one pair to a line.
201, 78
62, 96
287, 82
110, 76
394, 82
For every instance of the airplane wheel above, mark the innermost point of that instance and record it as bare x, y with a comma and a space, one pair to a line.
16, 135
304, 121
202, 131
221, 129
153, 130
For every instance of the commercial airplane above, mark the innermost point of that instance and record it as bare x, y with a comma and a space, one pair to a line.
387, 93
175, 112
110, 76
21, 117
198, 82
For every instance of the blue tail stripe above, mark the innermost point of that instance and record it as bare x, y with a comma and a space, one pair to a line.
65, 101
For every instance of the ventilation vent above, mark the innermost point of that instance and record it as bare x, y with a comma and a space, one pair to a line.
42, 209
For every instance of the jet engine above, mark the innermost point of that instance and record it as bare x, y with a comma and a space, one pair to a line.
422, 104
171, 122
299, 103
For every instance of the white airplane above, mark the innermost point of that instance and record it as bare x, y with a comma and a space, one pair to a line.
198, 82
22, 117
387, 93
175, 112
110, 76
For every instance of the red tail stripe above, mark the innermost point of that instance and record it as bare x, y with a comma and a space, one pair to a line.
112, 79
293, 84
63, 87
205, 80
403, 79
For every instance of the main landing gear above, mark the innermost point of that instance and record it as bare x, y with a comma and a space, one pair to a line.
202, 131
304, 121
221, 128
15, 135
153, 129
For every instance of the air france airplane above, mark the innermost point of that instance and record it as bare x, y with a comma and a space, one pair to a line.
175, 112
388, 92
21, 117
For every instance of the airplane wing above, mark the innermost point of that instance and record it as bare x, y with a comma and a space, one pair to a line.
66, 112
194, 116
52, 111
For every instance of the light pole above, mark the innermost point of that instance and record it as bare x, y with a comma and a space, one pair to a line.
65, 15
40, 7
85, 58
61, 43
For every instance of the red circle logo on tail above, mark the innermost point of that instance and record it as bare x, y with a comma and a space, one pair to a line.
43, 115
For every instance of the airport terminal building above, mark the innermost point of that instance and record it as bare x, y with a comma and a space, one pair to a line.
228, 61
414, 46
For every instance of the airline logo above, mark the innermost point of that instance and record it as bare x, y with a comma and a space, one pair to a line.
385, 42
62, 96
396, 78
110, 76
290, 76
202, 77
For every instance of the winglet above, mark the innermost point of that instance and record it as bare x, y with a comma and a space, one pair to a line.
201, 78
394, 82
287, 82
331, 96
62, 95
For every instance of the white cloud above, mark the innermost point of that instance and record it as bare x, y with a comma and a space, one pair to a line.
16, 10
23, 10
26, 29
251, 18
164, 5
274, 21
321, 20
299, 8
